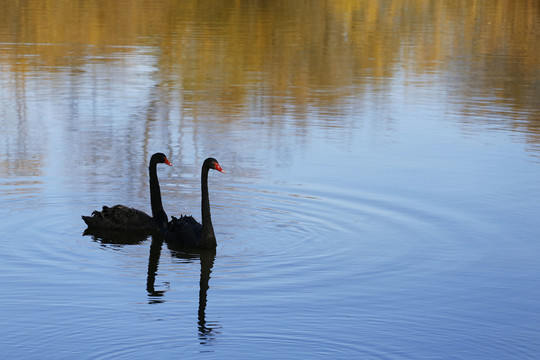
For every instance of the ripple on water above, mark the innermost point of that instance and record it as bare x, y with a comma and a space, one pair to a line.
314, 220
18, 193
276, 220
46, 240
277, 246
394, 246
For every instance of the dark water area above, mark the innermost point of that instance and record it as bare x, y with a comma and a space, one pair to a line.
380, 198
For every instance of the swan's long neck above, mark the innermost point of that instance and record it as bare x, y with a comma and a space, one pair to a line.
208, 238
159, 215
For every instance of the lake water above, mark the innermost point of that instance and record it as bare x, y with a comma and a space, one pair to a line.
381, 194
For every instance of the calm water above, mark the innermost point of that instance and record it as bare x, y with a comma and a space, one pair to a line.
381, 194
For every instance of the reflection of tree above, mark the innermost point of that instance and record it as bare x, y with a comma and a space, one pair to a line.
254, 47
219, 62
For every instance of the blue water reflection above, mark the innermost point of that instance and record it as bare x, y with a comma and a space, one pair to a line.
380, 200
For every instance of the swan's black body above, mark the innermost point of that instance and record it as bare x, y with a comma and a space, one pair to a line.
120, 217
185, 230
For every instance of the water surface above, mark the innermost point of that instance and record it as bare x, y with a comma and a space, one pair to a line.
381, 190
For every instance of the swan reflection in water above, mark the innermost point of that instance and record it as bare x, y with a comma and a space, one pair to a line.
206, 258
116, 238
206, 330
154, 296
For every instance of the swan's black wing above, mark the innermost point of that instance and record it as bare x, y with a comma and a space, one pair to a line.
120, 217
184, 231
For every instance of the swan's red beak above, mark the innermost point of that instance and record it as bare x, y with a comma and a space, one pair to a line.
218, 167
168, 162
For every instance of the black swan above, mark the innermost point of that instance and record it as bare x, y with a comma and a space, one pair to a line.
186, 231
120, 217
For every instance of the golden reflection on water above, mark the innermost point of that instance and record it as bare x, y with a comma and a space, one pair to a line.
303, 45
221, 57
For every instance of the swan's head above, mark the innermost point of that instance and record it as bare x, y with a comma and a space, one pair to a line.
212, 163
160, 158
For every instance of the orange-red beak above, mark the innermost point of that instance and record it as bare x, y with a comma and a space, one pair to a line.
168, 162
219, 168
